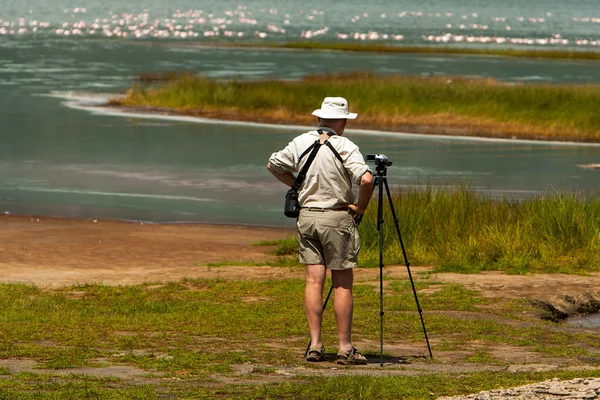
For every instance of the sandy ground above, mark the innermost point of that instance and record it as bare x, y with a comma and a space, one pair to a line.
54, 252
63, 251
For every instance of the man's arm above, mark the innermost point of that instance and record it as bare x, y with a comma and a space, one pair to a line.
287, 177
365, 191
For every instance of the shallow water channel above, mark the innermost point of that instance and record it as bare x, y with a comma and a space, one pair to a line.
585, 321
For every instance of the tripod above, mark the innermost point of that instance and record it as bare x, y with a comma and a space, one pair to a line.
381, 163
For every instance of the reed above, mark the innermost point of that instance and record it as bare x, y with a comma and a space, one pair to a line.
450, 105
462, 231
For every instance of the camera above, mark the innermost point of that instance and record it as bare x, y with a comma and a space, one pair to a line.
380, 159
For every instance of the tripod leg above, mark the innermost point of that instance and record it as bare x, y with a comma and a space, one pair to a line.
324, 305
387, 189
380, 230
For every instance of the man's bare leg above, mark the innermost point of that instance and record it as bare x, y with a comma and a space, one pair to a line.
343, 306
313, 301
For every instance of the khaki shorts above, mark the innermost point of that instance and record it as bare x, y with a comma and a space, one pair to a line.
328, 237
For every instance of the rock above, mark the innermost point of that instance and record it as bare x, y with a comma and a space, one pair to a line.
561, 307
553, 389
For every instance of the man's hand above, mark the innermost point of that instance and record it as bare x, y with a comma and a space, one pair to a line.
355, 212
355, 209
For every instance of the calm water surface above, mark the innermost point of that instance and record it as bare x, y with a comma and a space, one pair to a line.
56, 159
585, 321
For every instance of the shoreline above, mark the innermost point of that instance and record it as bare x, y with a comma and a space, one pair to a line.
165, 114
66, 219
446, 105
99, 104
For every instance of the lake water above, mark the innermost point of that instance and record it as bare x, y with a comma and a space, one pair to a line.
461, 22
585, 321
60, 157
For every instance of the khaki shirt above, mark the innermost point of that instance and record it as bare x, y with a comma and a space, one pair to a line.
328, 183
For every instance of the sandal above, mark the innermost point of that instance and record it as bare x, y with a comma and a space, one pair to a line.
352, 357
316, 355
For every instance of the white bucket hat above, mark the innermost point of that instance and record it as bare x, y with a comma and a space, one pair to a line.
334, 108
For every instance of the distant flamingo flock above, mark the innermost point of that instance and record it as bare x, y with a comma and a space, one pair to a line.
444, 27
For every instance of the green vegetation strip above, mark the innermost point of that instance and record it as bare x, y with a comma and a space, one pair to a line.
355, 46
459, 230
190, 339
383, 48
447, 105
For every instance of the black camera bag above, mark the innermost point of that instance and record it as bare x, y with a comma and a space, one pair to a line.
291, 207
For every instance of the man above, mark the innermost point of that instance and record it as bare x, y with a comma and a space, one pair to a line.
327, 231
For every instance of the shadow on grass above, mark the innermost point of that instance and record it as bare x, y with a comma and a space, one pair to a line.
394, 360
373, 359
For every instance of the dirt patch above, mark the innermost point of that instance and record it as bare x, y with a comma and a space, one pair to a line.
541, 286
63, 251
53, 252
125, 372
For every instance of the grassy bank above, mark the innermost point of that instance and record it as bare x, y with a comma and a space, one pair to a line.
505, 52
450, 105
244, 339
460, 231
440, 49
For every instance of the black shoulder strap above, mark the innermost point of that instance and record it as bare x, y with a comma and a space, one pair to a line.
333, 150
315, 148
300, 178
335, 153
308, 150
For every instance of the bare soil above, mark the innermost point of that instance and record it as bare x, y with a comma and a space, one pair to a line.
54, 252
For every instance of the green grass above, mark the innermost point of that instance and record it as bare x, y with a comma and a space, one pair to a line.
451, 105
409, 387
192, 336
283, 247
458, 230
355, 46
383, 48
283, 261
33, 387
428, 386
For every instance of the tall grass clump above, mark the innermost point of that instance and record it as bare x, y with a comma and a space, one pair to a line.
463, 231
451, 105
